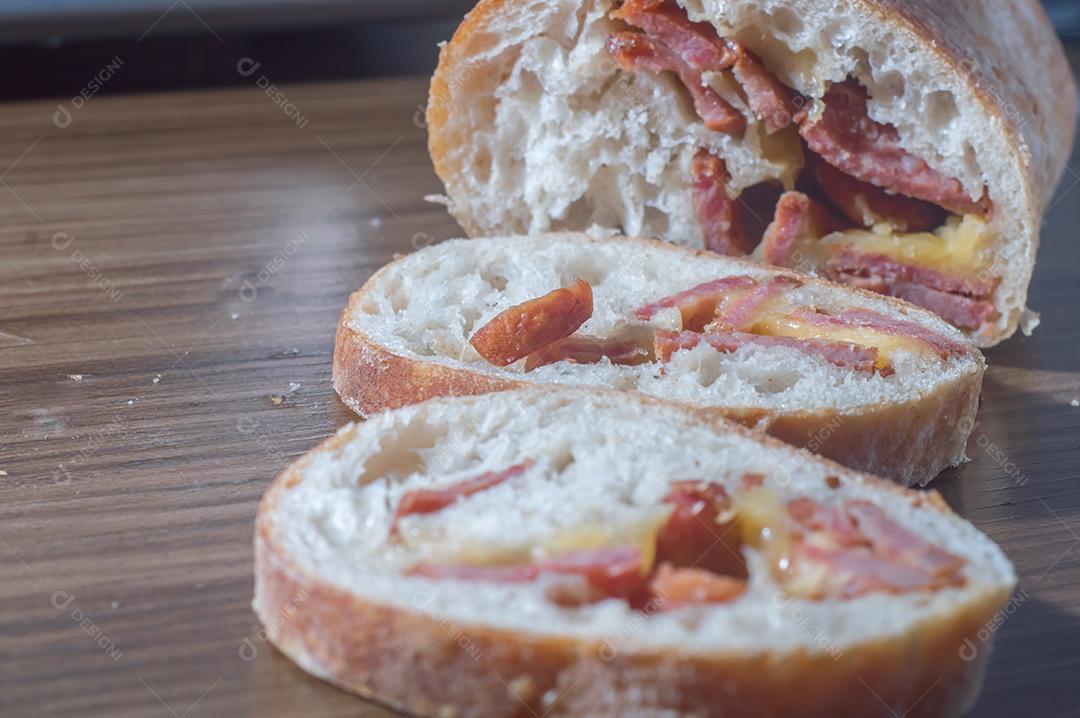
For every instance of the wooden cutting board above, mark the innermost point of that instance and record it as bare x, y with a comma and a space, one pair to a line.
171, 271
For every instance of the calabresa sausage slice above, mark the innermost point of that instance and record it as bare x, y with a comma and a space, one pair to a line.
530, 326
579, 349
695, 531
798, 221
739, 313
635, 51
842, 354
865, 204
426, 501
671, 588
847, 138
720, 215
615, 572
871, 320
855, 549
697, 305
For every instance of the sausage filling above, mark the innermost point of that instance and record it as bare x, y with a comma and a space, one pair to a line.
694, 554
864, 211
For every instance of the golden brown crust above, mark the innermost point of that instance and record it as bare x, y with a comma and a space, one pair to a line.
369, 378
909, 442
431, 666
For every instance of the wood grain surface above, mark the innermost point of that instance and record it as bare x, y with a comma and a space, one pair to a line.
171, 271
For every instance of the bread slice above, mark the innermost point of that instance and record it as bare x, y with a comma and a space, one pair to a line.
534, 127
405, 337
339, 588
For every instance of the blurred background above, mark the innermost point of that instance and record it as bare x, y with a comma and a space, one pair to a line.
170, 44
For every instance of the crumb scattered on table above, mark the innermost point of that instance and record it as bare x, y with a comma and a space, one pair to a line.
75, 377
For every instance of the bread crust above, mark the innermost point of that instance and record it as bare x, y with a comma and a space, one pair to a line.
430, 666
909, 442
1012, 62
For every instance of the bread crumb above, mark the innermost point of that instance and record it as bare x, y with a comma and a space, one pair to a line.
1028, 321
156, 379
833, 482
3, 472
75, 377
276, 399
597, 231
523, 687
131, 402
294, 386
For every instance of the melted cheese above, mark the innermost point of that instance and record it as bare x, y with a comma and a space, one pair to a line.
765, 525
784, 149
641, 534
959, 247
886, 344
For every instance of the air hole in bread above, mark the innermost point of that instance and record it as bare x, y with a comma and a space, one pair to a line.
657, 221
563, 459
585, 267
786, 22
482, 164
399, 298
495, 280
709, 368
941, 110
405, 455
891, 85
775, 383
579, 213
469, 316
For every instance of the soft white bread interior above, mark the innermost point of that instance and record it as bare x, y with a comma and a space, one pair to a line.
534, 128
331, 592
405, 337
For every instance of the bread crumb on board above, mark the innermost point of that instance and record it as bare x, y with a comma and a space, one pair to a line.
1028, 321
75, 377
279, 399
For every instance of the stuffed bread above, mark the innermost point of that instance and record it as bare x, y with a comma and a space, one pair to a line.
908, 147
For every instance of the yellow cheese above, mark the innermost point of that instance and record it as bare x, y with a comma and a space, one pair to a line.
886, 344
784, 150
763, 524
959, 247
641, 534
